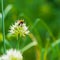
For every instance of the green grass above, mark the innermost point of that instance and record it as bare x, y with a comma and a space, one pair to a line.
43, 20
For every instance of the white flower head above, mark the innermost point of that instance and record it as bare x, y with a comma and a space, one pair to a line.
4, 57
12, 55
19, 28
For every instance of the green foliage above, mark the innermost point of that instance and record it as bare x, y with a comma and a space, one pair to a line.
43, 19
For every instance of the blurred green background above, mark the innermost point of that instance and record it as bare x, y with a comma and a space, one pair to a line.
43, 19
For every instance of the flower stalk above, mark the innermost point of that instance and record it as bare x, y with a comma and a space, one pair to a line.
18, 40
3, 28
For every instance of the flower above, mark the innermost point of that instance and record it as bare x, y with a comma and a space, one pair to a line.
12, 55
4, 57
19, 28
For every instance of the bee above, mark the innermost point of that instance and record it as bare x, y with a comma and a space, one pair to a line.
21, 22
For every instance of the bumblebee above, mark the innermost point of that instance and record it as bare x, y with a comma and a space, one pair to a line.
21, 22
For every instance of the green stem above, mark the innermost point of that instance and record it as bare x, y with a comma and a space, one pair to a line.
18, 42
3, 28
46, 49
29, 46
